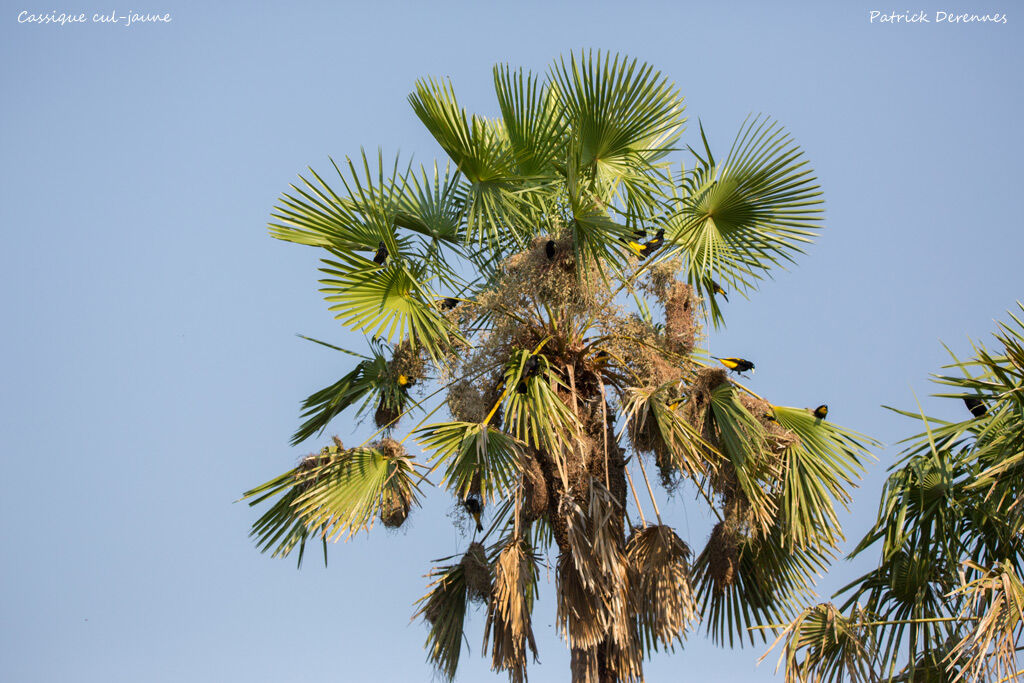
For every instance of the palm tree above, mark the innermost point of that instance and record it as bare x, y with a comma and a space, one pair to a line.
551, 292
946, 602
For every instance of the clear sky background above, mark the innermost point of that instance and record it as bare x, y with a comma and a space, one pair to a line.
151, 371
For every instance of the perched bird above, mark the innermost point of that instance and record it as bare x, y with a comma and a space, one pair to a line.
770, 417
735, 364
475, 507
381, 257
448, 303
654, 244
637, 247
674, 403
821, 412
549, 249
975, 405
532, 366
404, 383
521, 387
717, 289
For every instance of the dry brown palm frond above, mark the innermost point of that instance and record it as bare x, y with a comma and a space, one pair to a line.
508, 626
582, 614
995, 604
662, 595
593, 581
444, 608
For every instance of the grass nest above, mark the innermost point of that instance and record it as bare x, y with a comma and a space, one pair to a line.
535, 491
395, 508
681, 324
386, 415
723, 556
476, 569
696, 407
777, 437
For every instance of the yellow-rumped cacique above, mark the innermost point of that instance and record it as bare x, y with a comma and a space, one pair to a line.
475, 507
735, 364
381, 257
821, 412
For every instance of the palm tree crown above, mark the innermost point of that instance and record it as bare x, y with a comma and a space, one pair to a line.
551, 292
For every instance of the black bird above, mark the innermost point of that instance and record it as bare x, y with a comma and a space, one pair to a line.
549, 249
735, 364
475, 507
717, 289
821, 412
381, 257
654, 244
448, 303
974, 405
521, 387
532, 366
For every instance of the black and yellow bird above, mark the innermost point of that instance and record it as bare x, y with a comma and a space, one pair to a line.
381, 257
737, 365
405, 382
821, 412
975, 405
654, 244
532, 366
717, 289
448, 303
475, 507
550, 249
522, 387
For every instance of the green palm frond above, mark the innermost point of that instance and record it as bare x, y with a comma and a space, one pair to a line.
318, 216
497, 201
533, 120
336, 493
742, 441
820, 468
473, 452
444, 609
757, 582
283, 527
834, 647
739, 219
538, 417
624, 116
385, 302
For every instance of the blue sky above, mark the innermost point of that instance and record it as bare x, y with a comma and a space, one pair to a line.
151, 371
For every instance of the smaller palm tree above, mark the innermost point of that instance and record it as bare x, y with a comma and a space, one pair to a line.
946, 602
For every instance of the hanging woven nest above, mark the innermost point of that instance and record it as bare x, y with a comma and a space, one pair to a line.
395, 508
681, 325
478, 574
535, 491
386, 416
723, 557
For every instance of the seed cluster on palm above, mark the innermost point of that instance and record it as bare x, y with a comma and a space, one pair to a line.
521, 293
